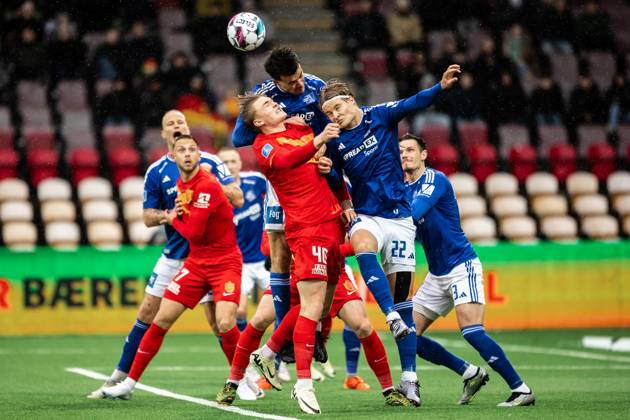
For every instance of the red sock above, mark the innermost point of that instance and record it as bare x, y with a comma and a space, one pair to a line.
228, 342
326, 326
304, 343
377, 359
148, 348
247, 343
284, 333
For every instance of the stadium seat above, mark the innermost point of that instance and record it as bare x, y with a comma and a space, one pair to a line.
178, 41
621, 204
559, 228
73, 120
204, 137
601, 157
623, 135
550, 205
42, 164
602, 68
118, 135
509, 205
79, 138
436, 41
94, 188
602, 227
105, 234
373, 64
39, 138
62, 234
99, 210
54, 189
131, 188
255, 69
13, 189
222, 74
518, 229
562, 159
588, 134
58, 211
381, 90
471, 206
171, 19
480, 229
157, 153
472, 134
151, 138
590, 205
124, 163
71, 95
522, 161
248, 157
7, 135
463, 184
31, 94
564, 70
541, 183
501, 183
434, 134
8, 163
19, 235
511, 135
483, 161
444, 158
36, 118
84, 163
582, 182
551, 135
132, 211
16, 211
618, 183
141, 235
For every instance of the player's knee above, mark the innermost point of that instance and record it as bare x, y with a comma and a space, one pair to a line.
363, 246
312, 310
225, 324
364, 329
148, 309
241, 313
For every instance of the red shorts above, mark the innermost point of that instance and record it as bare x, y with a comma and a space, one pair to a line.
316, 252
192, 283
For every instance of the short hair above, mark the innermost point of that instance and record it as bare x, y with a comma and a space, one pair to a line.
282, 61
185, 137
421, 143
246, 103
334, 88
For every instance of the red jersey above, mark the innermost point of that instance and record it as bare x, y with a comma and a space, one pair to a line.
207, 222
286, 159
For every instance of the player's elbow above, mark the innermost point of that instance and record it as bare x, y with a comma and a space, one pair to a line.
236, 197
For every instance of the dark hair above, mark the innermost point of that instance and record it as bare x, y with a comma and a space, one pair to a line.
282, 61
334, 88
184, 137
419, 140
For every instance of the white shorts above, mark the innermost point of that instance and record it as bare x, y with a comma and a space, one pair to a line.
163, 272
438, 294
395, 239
254, 274
274, 215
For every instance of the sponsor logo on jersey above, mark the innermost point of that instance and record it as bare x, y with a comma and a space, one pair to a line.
427, 189
203, 201
266, 150
341, 146
253, 212
319, 269
171, 190
367, 147
229, 287
166, 179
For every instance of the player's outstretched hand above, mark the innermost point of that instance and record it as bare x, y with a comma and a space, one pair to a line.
170, 216
324, 165
179, 207
348, 216
295, 120
449, 78
331, 131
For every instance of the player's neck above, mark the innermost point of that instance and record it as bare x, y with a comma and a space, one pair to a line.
357, 119
271, 129
416, 174
187, 176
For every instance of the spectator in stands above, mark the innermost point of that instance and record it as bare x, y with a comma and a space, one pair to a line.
507, 103
555, 26
66, 54
488, 66
29, 58
416, 78
179, 74
119, 106
546, 102
586, 104
140, 48
464, 101
54, 25
27, 16
593, 29
110, 57
517, 46
208, 31
450, 54
618, 101
365, 29
154, 99
405, 31
198, 98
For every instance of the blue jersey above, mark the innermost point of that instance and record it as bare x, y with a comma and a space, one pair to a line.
248, 219
160, 192
370, 157
305, 106
438, 227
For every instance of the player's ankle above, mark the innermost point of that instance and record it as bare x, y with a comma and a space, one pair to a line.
470, 371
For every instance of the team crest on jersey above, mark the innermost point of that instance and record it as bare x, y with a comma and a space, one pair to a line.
266, 150
349, 286
185, 197
229, 287
309, 99
250, 196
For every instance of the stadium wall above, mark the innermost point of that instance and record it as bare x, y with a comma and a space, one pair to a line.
527, 286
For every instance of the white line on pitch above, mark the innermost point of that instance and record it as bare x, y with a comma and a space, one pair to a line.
182, 397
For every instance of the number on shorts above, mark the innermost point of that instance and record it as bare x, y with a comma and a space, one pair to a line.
398, 249
321, 254
181, 274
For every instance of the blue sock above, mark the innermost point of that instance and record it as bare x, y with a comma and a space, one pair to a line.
492, 353
241, 323
376, 280
131, 345
353, 349
407, 346
281, 293
433, 352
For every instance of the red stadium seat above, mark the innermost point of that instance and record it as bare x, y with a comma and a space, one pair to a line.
601, 157
248, 157
472, 133
483, 161
434, 134
8, 163
39, 138
84, 163
204, 137
522, 161
562, 159
124, 163
373, 64
116, 136
6, 138
444, 157
42, 164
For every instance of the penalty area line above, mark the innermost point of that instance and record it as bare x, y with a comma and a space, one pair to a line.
168, 394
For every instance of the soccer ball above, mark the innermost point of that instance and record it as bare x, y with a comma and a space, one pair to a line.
246, 31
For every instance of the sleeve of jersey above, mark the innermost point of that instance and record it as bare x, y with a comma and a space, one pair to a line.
151, 193
426, 198
219, 170
193, 226
242, 134
289, 159
398, 110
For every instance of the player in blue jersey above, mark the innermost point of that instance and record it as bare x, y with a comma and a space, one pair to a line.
367, 152
160, 192
455, 278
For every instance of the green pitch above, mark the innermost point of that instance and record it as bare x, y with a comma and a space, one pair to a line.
569, 381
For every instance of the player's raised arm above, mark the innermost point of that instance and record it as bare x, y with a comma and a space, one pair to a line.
242, 134
230, 187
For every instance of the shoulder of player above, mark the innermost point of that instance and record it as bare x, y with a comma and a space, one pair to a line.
252, 175
311, 79
209, 157
433, 176
264, 87
156, 167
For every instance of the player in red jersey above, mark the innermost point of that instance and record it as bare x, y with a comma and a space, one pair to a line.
204, 217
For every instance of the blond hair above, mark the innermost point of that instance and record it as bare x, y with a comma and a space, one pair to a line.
246, 104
